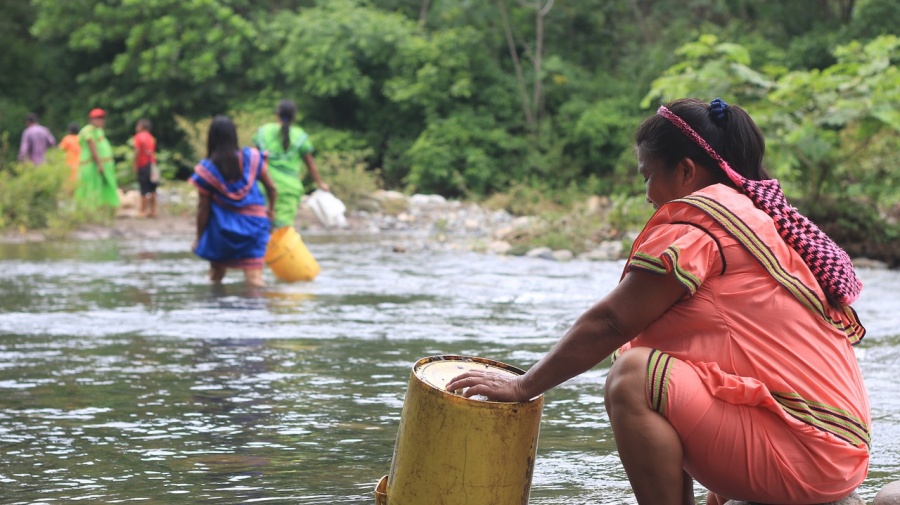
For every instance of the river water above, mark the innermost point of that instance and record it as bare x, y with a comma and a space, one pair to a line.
125, 377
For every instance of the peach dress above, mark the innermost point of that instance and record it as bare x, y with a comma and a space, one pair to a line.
752, 367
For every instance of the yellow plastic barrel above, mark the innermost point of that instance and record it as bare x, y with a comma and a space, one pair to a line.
288, 257
453, 450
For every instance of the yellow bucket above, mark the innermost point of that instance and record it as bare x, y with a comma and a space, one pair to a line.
453, 450
288, 257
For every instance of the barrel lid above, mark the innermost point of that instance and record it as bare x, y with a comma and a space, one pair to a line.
438, 370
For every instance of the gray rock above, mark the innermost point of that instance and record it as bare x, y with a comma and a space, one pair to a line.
869, 263
853, 499
606, 251
540, 252
889, 495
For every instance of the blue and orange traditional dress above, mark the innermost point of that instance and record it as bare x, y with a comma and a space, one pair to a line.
237, 231
753, 367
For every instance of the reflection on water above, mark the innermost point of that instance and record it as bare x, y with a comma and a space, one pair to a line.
124, 376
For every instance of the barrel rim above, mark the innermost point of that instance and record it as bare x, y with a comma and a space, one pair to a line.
470, 359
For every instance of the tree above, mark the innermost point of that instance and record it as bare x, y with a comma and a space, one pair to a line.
533, 108
154, 58
836, 130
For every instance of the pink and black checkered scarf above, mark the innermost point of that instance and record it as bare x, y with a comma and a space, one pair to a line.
829, 263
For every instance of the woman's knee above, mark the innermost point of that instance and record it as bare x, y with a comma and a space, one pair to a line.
626, 382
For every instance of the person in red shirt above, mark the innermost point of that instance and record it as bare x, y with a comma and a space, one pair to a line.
144, 162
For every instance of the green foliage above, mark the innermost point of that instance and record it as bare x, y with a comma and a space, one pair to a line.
628, 213
339, 47
29, 194
825, 125
348, 177
153, 55
433, 97
460, 156
709, 68
601, 133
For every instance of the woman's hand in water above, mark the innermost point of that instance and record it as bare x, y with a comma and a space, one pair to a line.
495, 387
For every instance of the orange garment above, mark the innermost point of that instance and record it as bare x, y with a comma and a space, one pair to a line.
72, 147
763, 386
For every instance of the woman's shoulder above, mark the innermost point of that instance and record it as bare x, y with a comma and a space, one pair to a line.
205, 164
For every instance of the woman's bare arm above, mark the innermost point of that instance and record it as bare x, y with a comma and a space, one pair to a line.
635, 302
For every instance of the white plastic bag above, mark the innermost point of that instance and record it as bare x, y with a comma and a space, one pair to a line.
328, 209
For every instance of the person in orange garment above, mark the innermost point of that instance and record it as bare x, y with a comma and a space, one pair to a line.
72, 147
731, 331
144, 159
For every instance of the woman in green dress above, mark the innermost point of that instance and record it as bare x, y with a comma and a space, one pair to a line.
287, 145
97, 186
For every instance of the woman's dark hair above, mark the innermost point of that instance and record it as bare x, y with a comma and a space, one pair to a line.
731, 133
73, 128
286, 112
144, 123
222, 147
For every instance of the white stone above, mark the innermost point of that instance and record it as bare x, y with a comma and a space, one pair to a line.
501, 216
563, 255
607, 251
427, 200
382, 195
540, 252
521, 222
503, 232
499, 247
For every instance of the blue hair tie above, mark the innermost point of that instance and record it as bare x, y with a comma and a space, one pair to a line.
717, 109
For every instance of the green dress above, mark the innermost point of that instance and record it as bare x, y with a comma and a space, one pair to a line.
95, 190
284, 167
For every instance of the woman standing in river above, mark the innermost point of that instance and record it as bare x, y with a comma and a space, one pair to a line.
233, 218
287, 146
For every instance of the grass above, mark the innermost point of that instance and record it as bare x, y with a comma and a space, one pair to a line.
570, 219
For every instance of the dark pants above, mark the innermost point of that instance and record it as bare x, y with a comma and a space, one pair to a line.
143, 176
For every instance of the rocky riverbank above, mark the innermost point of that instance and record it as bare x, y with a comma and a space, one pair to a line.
415, 221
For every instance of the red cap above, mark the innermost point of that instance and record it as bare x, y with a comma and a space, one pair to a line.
96, 113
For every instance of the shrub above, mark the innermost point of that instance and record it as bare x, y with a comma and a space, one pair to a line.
346, 174
29, 194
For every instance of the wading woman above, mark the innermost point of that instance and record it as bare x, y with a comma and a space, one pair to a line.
286, 146
233, 218
731, 331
